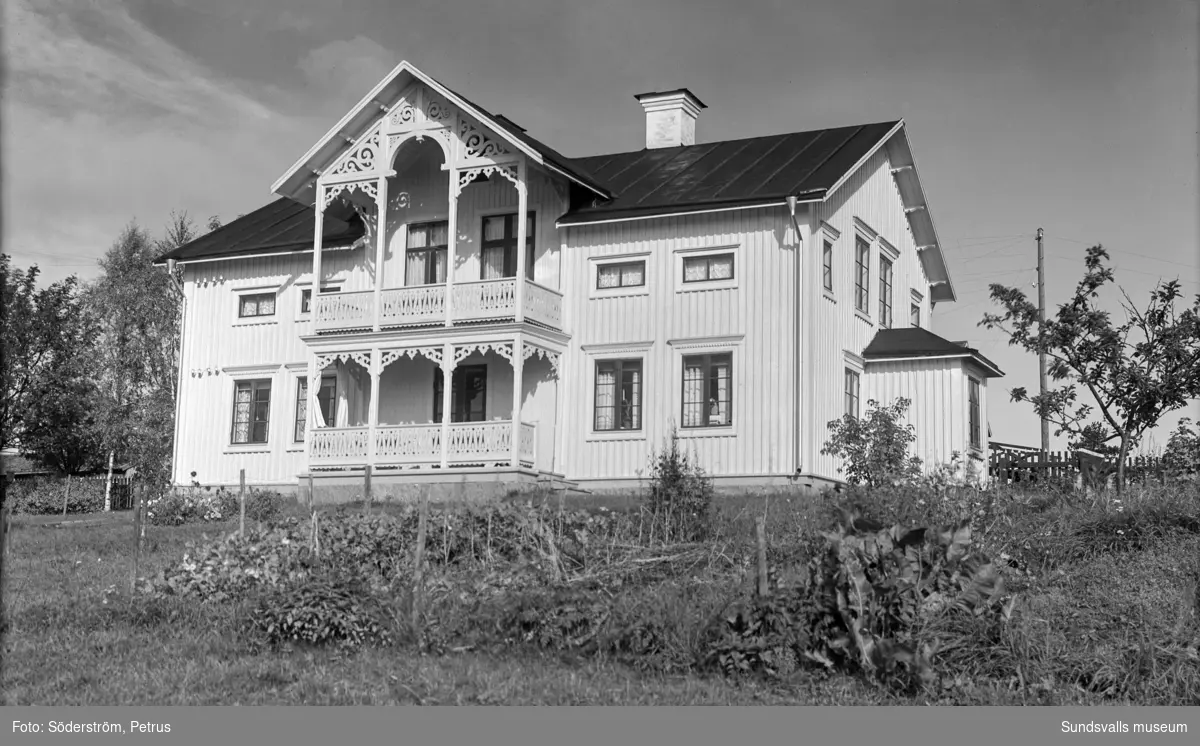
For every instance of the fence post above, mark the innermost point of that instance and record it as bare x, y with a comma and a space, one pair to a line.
312, 498
242, 500
418, 563
367, 488
137, 537
66, 495
760, 530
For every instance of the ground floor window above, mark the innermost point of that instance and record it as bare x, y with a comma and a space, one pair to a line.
708, 390
618, 396
251, 411
975, 418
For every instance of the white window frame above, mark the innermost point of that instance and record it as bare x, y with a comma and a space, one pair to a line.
236, 374
978, 381
241, 292
594, 354
830, 234
595, 263
856, 364
870, 236
892, 255
695, 287
919, 301
302, 315
682, 348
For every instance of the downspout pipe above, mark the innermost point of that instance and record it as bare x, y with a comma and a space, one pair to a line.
797, 341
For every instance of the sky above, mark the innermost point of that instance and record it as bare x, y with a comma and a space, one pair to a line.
1079, 117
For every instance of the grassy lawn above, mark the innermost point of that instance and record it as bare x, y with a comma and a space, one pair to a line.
1099, 624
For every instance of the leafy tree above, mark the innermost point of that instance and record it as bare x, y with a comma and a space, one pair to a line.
46, 335
1095, 437
875, 448
1182, 454
1135, 372
138, 305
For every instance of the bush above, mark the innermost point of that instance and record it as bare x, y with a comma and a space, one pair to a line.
680, 500
44, 495
1182, 455
875, 448
333, 606
203, 504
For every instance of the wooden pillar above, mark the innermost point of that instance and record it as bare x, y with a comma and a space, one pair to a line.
318, 229
373, 407
451, 240
380, 239
522, 238
518, 365
447, 386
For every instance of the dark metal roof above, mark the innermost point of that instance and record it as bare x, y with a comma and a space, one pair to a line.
914, 342
281, 226
731, 173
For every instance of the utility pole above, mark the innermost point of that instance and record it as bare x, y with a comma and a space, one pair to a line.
1041, 282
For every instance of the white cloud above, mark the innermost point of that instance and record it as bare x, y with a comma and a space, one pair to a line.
348, 68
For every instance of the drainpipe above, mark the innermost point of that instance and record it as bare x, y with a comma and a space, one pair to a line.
797, 342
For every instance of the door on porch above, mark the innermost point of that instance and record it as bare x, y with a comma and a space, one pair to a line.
468, 394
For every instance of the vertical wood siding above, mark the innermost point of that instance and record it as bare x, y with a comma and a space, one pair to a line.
870, 195
759, 309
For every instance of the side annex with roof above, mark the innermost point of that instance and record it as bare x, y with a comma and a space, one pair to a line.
442, 298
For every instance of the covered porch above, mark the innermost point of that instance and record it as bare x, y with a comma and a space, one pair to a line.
389, 406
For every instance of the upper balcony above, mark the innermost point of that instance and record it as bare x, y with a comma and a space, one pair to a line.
483, 301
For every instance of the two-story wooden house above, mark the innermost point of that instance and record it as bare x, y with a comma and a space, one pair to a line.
439, 296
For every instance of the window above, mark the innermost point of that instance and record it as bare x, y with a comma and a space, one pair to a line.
885, 293
708, 390
306, 297
256, 304
914, 314
618, 397
425, 254
326, 398
852, 393
251, 411
499, 255
827, 265
468, 394
624, 275
973, 425
708, 268
862, 277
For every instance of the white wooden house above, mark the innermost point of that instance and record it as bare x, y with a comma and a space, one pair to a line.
745, 292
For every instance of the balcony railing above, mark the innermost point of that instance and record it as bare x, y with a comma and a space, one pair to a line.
424, 305
421, 445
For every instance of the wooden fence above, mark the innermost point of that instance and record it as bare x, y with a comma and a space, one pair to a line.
1016, 467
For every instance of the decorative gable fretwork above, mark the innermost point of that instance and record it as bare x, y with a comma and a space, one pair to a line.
361, 159
530, 350
419, 107
477, 144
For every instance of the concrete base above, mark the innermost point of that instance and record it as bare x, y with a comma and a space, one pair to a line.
736, 484
460, 485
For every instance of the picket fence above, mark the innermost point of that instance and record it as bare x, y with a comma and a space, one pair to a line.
1014, 467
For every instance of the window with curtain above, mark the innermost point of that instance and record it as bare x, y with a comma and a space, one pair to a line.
708, 390
708, 268
468, 394
862, 275
624, 275
499, 247
257, 304
852, 393
618, 398
885, 293
326, 398
426, 253
975, 418
251, 411
827, 265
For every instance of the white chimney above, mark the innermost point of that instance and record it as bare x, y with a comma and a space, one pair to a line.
670, 117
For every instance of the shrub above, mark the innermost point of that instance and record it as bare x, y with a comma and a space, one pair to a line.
44, 496
333, 606
680, 500
203, 504
1182, 454
875, 447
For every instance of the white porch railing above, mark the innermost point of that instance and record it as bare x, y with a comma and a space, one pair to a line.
333, 446
543, 305
344, 311
404, 445
485, 300
423, 304
409, 444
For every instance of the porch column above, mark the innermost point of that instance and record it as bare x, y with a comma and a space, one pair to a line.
522, 237
380, 239
318, 229
518, 364
451, 240
447, 385
373, 407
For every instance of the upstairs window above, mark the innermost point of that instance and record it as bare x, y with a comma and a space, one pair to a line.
914, 315
253, 305
862, 275
975, 418
624, 275
306, 297
708, 268
852, 384
426, 253
499, 254
827, 265
885, 292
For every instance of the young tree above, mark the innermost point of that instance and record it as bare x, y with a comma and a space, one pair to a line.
45, 337
1095, 437
875, 447
1135, 372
